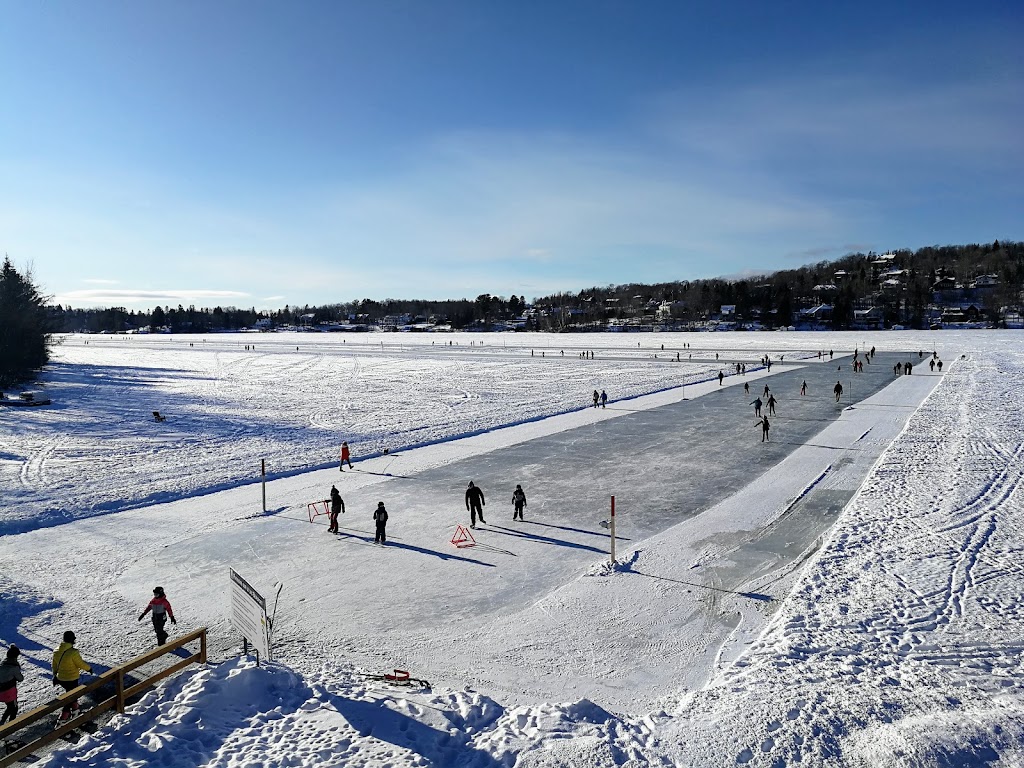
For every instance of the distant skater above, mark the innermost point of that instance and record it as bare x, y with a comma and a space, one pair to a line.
10, 676
746, 388
803, 388
771, 405
475, 504
838, 389
721, 376
604, 398
766, 391
337, 507
756, 402
765, 426
518, 502
380, 517
161, 609
346, 457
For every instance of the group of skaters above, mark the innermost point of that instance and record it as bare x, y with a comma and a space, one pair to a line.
67, 664
475, 503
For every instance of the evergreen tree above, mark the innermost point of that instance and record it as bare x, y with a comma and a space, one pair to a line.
24, 326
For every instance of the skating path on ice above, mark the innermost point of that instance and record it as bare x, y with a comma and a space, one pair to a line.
712, 521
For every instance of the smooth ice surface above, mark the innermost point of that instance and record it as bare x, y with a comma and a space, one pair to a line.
841, 595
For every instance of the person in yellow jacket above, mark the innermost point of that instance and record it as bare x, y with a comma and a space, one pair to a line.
67, 666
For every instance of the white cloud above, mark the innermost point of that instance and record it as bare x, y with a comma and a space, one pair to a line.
120, 297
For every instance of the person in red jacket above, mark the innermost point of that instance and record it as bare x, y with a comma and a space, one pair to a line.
345, 457
161, 609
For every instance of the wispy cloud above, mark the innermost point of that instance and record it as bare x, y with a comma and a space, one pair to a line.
119, 297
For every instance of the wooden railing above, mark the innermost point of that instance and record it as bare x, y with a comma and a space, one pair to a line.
114, 677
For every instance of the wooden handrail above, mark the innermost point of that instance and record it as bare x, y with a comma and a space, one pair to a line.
114, 675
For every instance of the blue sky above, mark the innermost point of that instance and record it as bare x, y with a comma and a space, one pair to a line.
262, 154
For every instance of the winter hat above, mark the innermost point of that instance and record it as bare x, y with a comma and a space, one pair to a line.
69, 636
12, 652
158, 591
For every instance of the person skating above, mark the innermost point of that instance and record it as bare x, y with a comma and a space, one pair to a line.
746, 388
337, 507
721, 377
475, 503
756, 402
766, 391
765, 426
346, 457
67, 665
771, 405
10, 676
162, 611
838, 389
380, 517
518, 502
803, 388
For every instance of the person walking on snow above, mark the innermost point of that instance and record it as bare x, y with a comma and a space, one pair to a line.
765, 426
337, 507
380, 517
756, 402
10, 676
67, 665
346, 457
720, 377
596, 397
162, 611
771, 405
838, 389
604, 398
475, 504
518, 502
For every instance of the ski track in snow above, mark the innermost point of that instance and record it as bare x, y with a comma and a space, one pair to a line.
897, 641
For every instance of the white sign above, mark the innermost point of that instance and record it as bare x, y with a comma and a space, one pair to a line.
249, 614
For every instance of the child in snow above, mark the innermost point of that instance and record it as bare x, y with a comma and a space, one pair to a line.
161, 609
518, 502
380, 517
10, 676
67, 665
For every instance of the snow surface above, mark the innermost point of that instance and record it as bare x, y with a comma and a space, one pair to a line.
777, 624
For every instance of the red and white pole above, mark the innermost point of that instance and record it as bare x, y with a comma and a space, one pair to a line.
611, 529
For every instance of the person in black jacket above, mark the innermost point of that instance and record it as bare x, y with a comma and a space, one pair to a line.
337, 507
518, 502
475, 503
10, 676
380, 517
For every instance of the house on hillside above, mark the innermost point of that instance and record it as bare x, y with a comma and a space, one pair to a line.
869, 319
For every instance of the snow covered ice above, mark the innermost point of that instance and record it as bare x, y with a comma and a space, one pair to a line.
847, 594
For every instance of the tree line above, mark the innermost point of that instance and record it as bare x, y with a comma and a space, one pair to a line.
855, 281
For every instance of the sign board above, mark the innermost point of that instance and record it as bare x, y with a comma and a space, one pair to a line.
728, 309
249, 614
